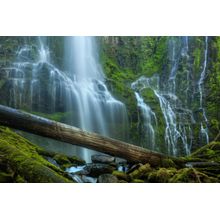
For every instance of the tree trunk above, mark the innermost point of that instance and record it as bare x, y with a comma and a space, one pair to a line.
38, 125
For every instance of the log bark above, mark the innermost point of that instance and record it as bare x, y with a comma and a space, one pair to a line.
41, 126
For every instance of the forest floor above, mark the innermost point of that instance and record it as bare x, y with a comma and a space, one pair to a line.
22, 162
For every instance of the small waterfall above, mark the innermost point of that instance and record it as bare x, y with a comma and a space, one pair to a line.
149, 122
175, 132
204, 130
178, 118
178, 105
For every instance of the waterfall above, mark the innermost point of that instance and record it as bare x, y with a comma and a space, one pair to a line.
149, 122
175, 132
37, 85
177, 117
204, 130
97, 109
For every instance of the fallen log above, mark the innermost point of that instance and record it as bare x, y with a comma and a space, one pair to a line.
41, 126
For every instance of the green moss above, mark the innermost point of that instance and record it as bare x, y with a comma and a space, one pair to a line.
141, 171
121, 175
76, 160
167, 162
209, 152
6, 178
22, 157
61, 159
162, 175
191, 175
137, 181
20, 179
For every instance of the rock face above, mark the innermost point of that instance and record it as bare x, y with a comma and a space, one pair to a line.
99, 158
107, 178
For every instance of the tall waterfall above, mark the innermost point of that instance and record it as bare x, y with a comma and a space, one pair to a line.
174, 103
96, 108
36, 84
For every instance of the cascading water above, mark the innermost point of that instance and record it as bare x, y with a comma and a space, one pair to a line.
39, 86
175, 106
97, 109
204, 130
149, 121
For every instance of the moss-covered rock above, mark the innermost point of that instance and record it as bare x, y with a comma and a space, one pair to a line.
23, 159
167, 162
76, 160
61, 159
162, 175
141, 171
137, 181
191, 175
121, 175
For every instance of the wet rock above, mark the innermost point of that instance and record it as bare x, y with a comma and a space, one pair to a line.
99, 158
80, 170
88, 179
107, 178
76, 178
96, 169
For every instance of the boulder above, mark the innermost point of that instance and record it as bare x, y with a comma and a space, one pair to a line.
96, 169
101, 158
107, 178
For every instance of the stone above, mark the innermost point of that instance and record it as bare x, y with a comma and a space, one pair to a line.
88, 179
101, 158
96, 169
107, 178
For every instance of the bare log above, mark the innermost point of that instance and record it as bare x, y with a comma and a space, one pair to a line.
41, 126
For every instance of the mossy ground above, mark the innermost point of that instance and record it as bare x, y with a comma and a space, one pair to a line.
20, 161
